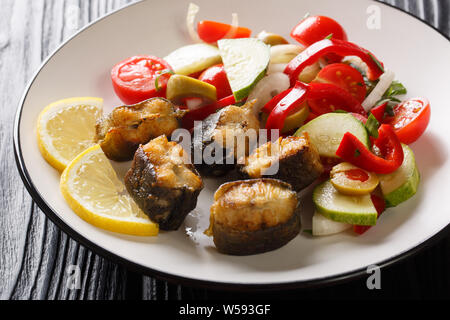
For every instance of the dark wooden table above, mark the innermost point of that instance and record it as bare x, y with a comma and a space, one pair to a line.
35, 254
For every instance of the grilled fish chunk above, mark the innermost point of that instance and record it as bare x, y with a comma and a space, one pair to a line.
231, 131
163, 182
292, 159
121, 132
254, 216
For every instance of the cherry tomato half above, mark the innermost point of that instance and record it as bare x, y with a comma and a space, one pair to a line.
411, 119
211, 31
343, 76
134, 78
316, 28
217, 76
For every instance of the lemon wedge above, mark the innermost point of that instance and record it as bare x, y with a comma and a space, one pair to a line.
66, 128
93, 190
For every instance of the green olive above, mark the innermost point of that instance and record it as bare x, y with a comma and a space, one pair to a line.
271, 39
180, 87
351, 180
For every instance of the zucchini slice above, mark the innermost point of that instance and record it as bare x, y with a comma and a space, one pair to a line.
326, 132
193, 58
338, 207
401, 184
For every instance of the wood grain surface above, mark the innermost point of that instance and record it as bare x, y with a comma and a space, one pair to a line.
35, 254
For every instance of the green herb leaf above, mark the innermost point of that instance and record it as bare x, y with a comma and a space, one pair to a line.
379, 65
340, 111
389, 110
396, 88
329, 36
372, 126
161, 73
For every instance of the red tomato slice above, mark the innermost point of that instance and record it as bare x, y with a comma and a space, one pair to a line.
134, 78
346, 77
316, 28
211, 31
217, 76
411, 119
343, 76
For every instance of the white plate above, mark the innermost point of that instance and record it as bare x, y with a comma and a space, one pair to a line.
417, 53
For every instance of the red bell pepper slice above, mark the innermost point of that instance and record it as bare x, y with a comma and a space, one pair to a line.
380, 206
295, 97
344, 48
274, 101
354, 151
319, 90
203, 112
379, 111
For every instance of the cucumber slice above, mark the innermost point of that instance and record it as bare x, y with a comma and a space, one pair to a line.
402, 184
193, 58
322, 226
326, 132
335, 206
245, 61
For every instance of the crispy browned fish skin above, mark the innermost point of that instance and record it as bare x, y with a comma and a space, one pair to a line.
230, 119
240, 242
300, 166
121, 132
166, 206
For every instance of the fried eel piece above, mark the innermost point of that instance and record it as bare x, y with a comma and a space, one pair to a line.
292, 159
121, 132
163, 182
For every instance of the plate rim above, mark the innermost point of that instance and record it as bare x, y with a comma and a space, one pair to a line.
132, 266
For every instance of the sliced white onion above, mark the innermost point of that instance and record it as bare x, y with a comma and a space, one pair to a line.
276, 68
190, 21
268, 88
377, 93
284, 53
234, 27
322, 226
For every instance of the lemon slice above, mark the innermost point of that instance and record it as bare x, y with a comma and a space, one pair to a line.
92, 189
66, 128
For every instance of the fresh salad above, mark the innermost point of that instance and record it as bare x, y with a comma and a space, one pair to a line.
337, 120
